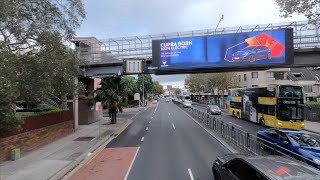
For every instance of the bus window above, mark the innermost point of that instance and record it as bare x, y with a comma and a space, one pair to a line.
235, 105
271, 110
290, 91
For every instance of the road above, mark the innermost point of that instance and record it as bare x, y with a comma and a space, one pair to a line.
172, 145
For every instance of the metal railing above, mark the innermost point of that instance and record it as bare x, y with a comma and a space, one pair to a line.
247, 142
305, 36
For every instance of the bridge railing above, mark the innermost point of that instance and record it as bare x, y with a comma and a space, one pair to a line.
305, 36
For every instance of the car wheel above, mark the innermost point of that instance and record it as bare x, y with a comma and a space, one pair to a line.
252, 58
238, 115
269, 56
215, 173
262, 122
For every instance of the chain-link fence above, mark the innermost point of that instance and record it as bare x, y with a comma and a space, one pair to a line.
247, 142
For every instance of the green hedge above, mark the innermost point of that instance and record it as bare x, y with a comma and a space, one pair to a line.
313, 104
21, 116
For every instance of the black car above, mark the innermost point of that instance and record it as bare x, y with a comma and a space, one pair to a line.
242, 166
213, 109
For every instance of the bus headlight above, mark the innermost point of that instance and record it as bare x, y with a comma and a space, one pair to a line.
280, 124
302, 125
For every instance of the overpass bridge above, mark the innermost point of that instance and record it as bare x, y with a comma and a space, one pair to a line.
105, 57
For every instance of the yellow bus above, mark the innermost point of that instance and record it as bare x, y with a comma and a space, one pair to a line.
279, 106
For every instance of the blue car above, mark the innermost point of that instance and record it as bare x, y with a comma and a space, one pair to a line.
299, 144
252, 53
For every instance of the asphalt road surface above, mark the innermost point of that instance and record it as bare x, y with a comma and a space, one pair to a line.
172, 145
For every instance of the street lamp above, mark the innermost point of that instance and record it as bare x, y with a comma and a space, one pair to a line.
219, 23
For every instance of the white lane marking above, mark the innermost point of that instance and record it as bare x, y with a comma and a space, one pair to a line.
134, 158
142, 139
173, 126
190, 174
235, 124
89, 154
147, 129
149, 122
151, 117
168, 113
211, 133
156, 108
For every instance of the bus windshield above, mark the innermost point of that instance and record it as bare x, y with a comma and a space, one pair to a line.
286, 113
290, 91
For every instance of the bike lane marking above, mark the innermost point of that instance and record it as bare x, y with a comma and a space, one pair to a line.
111, 163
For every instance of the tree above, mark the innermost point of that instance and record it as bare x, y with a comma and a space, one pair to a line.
128, 86
148, 84
35, 60
210, 82
309, 8
177, 91
158, 88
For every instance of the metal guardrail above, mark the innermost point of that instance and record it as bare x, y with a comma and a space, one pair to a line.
247, 142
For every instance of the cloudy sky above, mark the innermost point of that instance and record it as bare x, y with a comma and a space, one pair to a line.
118, 18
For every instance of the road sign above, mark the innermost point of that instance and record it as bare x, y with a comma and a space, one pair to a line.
136, 96
133, 66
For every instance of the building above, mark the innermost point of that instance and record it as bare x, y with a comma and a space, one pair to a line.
308, 78
169, 87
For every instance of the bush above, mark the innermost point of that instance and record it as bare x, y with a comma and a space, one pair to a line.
22, 116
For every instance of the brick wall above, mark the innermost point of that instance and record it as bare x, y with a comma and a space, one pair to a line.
33, 139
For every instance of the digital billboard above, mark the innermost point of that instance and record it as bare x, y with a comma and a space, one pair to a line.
240, 50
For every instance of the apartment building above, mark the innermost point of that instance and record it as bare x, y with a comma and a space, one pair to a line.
308, 78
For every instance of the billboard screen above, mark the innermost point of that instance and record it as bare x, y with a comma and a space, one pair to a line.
240, 50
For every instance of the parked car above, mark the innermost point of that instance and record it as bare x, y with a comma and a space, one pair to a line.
300, 144
252, 53
167, 100
187, 104
213, 109
245, 167
155, 101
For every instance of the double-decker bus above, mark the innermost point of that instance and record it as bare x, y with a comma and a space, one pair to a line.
280, 106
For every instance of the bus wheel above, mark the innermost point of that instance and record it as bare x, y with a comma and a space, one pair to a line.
233, 114
262, 123
238, 115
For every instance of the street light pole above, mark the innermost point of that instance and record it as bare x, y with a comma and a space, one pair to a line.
218, 23
143, 89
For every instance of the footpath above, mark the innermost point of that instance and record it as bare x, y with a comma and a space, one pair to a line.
309, 125
53, 160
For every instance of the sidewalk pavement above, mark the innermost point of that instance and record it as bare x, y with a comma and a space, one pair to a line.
312, 126
48, 160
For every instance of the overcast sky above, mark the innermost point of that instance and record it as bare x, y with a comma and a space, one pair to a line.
118, 18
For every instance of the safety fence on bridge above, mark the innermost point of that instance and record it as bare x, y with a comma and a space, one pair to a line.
305, 36
248, 143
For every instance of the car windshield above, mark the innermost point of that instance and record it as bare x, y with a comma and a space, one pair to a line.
213, 107
304, 140
249, 48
